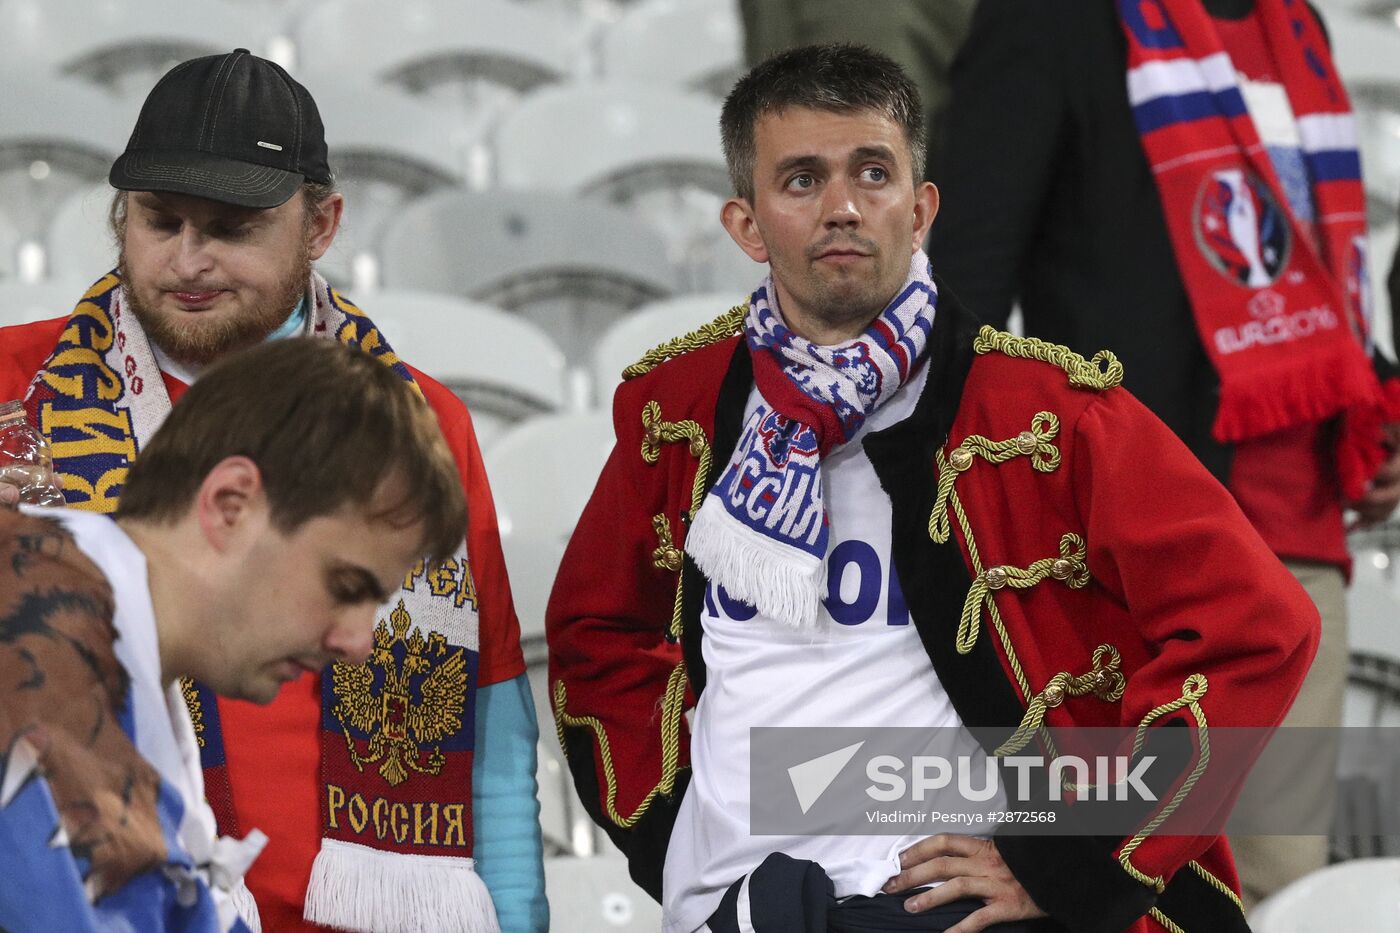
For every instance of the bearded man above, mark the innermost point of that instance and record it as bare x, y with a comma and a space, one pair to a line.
225, 200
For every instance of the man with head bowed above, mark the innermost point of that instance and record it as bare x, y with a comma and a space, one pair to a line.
420, 798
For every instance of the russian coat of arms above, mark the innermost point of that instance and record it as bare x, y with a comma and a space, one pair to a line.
418, 702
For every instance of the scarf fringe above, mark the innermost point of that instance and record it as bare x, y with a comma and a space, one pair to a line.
1359, 449
780, 582
247, 908
1295, 392
354, 887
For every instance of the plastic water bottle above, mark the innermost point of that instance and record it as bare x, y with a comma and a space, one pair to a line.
26, 461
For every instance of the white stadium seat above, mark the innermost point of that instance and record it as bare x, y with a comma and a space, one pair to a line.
56, 137
21, 304
570, 267
473, 57
532, 560
543, 472
566, 828
1367, 52
624, 343
1373, 609
606, 135
1358, 896
11, 242
654, 150
80, 243
387, 148
557, 800
598, 896
694, 44
1363, 47
399, 137
124, 46
504, 368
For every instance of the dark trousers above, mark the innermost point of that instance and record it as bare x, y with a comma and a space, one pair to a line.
885, 912
787, 895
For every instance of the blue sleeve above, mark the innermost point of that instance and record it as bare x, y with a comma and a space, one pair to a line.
505, 809
44, 878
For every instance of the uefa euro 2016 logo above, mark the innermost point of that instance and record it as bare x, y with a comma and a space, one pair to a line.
1240, 228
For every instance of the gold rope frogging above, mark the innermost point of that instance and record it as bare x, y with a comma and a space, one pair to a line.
1068, 568
1192, 690
657, 432
667, 557
727, 324
955, 503
671, 707
1034, 443
1165, 921
1216, 883
1104, 680
196, 708
1084, 374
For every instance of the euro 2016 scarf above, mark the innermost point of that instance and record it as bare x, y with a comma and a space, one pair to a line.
397, 734
1285, 322
813, 399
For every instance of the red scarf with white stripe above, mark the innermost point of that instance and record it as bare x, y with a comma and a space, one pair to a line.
1284, 318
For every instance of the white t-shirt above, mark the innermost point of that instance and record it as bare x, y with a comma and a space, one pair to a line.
864, 666
164, 733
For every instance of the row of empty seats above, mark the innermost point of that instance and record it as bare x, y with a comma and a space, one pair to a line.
589, 190
433, 46
636, 173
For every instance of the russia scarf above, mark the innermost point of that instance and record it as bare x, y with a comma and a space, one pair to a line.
762, 530
1284, 318
397, 733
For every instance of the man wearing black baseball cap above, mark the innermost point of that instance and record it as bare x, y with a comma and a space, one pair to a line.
369, 780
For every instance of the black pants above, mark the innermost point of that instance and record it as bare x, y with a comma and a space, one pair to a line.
885, 912
787, 895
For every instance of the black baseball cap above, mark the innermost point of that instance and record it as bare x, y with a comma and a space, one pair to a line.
233, 128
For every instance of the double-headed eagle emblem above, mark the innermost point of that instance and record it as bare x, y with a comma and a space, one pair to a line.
397, 725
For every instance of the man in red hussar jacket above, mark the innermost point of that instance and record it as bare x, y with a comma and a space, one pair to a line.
846, 504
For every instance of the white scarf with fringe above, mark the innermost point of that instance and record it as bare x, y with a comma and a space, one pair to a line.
762, 531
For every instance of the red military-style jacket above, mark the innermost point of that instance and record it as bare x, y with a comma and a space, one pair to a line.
1065, 559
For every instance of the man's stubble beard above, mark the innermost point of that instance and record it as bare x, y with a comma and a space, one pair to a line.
202, 344
844, 303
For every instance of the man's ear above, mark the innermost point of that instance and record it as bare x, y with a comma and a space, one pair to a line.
738, 218
324, 224
228, 500
925, 209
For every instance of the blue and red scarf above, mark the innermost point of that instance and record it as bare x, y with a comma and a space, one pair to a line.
398, 733
762, 531
1284, 316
